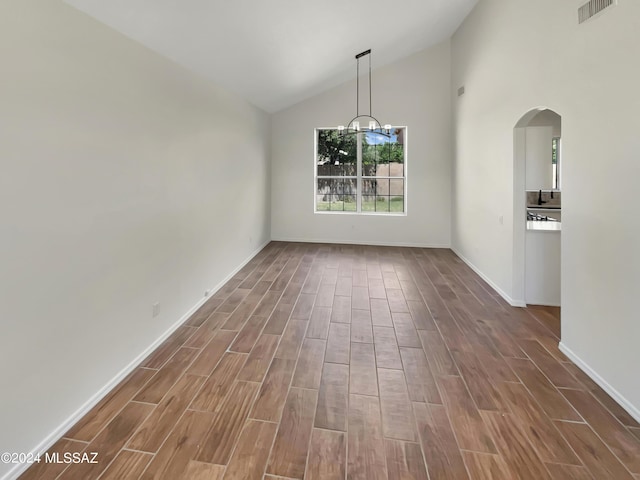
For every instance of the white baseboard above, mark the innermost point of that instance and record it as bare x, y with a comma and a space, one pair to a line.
503, 294
617, 396
357, 242
544, 303
54, 436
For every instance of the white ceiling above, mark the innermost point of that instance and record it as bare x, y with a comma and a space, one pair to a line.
276, 53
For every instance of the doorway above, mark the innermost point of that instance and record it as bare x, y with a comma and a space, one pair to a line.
537, 208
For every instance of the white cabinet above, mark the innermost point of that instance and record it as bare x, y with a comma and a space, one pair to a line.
542, 279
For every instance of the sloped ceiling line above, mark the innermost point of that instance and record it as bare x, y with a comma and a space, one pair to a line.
279, 52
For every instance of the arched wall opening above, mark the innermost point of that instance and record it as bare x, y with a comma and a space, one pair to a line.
520, 210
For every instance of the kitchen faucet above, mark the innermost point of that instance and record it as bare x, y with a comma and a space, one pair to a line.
540, 201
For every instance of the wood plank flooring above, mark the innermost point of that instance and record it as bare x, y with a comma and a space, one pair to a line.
337, 362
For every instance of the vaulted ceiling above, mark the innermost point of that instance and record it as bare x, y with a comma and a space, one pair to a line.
276, 53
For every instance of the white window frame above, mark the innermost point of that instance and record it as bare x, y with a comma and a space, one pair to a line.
359, 178
557, 179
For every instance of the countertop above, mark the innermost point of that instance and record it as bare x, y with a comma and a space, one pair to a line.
544, 226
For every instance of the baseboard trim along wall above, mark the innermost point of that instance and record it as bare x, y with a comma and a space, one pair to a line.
54, 436
544, 302
511, 301
617, 396
357, 242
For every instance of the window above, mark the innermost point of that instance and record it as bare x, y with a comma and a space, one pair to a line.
555, 163
361, 173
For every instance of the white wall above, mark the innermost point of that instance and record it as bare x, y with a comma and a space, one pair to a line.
539, 169
518, 55
413, 92
124, 181
548, 118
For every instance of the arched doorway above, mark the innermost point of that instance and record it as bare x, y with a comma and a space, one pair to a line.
536, 201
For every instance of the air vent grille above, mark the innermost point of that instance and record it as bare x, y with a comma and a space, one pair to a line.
592, 8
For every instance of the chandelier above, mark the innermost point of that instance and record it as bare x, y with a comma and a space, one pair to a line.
364, 122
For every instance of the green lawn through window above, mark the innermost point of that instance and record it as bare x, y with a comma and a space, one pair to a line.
383, 204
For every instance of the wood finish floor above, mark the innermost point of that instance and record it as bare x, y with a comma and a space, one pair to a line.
346, 362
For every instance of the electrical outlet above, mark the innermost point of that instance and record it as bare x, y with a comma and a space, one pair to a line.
207, 293
501, 220
155, 310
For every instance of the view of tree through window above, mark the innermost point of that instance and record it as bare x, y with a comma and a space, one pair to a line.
364, 172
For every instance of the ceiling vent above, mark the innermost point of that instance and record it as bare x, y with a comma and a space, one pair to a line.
592, 8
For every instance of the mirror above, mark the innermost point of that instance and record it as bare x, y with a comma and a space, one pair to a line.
543, 151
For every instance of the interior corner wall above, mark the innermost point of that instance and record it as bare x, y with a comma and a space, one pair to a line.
125, 181
519, 55
412, 92
548, 118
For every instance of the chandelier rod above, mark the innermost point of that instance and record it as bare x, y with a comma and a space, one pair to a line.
370, 114
357, 86
358, 57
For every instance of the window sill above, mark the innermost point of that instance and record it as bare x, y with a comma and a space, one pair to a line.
365, 214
